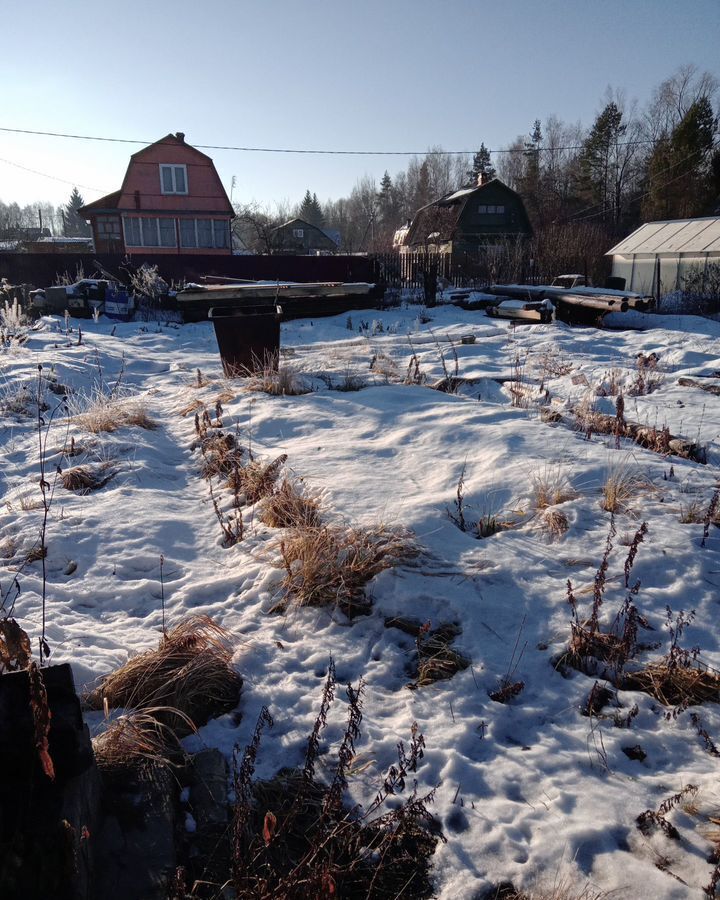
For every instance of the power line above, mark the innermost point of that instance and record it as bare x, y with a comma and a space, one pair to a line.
85, 187
115, 140
640, 197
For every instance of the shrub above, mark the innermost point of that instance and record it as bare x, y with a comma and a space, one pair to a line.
294, 838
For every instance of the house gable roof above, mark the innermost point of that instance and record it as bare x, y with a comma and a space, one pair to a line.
124, 198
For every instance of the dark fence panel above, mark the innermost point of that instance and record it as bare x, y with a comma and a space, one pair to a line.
42, 269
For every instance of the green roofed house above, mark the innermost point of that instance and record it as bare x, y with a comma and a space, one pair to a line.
465, 224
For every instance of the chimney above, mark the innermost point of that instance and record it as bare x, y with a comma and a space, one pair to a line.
180, 135
482, 179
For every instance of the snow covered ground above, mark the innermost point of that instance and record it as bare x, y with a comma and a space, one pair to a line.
530, 791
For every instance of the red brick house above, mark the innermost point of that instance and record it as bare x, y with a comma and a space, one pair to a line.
171, 201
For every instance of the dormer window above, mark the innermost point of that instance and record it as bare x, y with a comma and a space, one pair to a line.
173, 179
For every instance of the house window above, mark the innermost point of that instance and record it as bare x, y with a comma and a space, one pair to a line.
482, 209
132, 233
108, 227
500, 210
220, 234
298, 232
149, 232
491, 209
167, 233
173, 179
206, 234
187, 233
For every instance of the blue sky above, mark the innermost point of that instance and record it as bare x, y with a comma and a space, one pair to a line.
361, 75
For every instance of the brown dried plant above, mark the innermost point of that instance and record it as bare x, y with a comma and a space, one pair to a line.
330, 565
288, 506
190, 675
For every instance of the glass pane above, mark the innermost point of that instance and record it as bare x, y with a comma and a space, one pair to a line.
204, 233
187, 233
167, 232
132, 232
180, 186
149, 232
167, 179
221, 234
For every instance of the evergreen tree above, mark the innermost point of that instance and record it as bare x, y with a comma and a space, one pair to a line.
600, 158
310, 210
481, 165
422, 187
529, 182
75, 225
681, 171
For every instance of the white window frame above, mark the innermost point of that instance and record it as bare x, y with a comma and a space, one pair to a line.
298, 232
482, 209
172, 167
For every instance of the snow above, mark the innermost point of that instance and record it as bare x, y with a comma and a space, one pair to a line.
529, 791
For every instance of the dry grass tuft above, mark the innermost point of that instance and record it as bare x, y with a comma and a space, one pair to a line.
257, 479
437, 660
675, 685
554, 523
692, 512
330, 565
87, 478
288, 507
190, 676
551, 487
191, 407
221, 455
621, 487
100, 411
139, 738
283, 382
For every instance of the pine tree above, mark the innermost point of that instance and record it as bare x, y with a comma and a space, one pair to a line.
599, 159
530, 181
681, 169
422, 187
481, 165
75, 225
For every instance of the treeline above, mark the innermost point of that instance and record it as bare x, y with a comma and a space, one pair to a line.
582, 184
16, 221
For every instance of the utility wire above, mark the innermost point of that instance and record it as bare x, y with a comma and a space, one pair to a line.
114, 140
644, 195
85, 187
